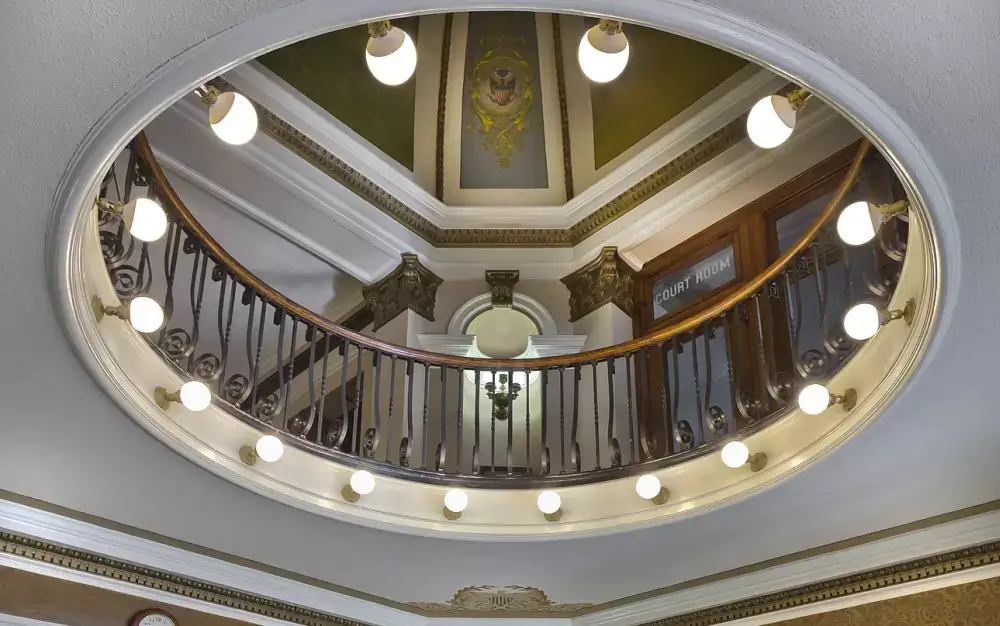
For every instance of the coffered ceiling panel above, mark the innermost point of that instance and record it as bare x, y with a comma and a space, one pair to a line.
330, 70
665, 74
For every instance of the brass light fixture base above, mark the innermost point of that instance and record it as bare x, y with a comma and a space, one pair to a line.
757, 462
662, 497
248, 455
164, 398
450, 515
553, 517
797, 97
378, 29
848, 400
908, 312
101, 310
350, 494
895, 207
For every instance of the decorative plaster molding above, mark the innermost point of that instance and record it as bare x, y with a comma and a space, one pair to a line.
555, 345
313, 152
410, 286
474, 306
499, 599
961, 549
501, 284
608, 278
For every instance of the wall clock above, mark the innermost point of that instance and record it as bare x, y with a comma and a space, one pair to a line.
153, 617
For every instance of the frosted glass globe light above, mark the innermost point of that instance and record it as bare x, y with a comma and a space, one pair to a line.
814, 399
145, 219
195, 395
391, 58
549, 502
648, 486
269, 448
233, 118
456, 500
771, 122
862, 321
858, 223
145, 314
735, 454
362, 482
603, 55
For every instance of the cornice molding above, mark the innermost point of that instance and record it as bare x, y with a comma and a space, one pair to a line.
608, 278
620, 204
410, 286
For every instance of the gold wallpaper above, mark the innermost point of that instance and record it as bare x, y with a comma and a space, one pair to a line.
974, 604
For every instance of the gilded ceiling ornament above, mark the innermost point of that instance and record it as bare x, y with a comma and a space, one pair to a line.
501, 94
410, 286
605, 279
501, 284
490, 598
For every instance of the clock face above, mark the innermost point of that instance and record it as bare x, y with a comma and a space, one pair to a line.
154, 618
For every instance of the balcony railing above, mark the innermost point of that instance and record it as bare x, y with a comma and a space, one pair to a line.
680, 392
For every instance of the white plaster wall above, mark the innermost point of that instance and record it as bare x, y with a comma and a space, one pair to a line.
65, 441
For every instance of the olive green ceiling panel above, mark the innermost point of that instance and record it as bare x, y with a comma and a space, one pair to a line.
665, 75
331, 71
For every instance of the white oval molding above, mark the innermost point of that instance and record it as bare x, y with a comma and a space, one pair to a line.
534, 309
300, 479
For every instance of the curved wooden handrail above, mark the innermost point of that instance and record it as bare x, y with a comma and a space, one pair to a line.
432, 358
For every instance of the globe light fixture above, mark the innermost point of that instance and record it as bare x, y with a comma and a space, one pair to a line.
736, 454
648, 487
232, 116
603, 52
772, 120
858, 223
863, 320
550, 504
362, 483
390, 54
194, 395
144, 218
455, 501
144, 314
269, 448
816, 398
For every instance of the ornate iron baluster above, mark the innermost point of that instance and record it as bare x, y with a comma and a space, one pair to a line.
574, 453
683, 434
442, 446
359, 401
527, 422
733, 390
546, 463
475, 447
322, 387
255, 367
461, 410
345, 419
667, 396
406, 444
423, 430
372, 441
290, 365
510, 423
612, 442
644, 404
562, 419
225, 331
493, 425
597, 419
696, 383
392, 397
632, 445
197, 294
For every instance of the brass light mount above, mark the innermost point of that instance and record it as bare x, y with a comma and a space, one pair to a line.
757, 461
349, 493
450, 515
664, 495
554, 517
106, 206
893, 208
100, 309
848, 400
906, 314
164, 398
798, 97
610, 27
379, 29
208, 94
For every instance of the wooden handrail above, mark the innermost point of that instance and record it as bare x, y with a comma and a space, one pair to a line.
435, 359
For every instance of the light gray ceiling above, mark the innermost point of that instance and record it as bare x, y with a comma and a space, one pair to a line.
62, 440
